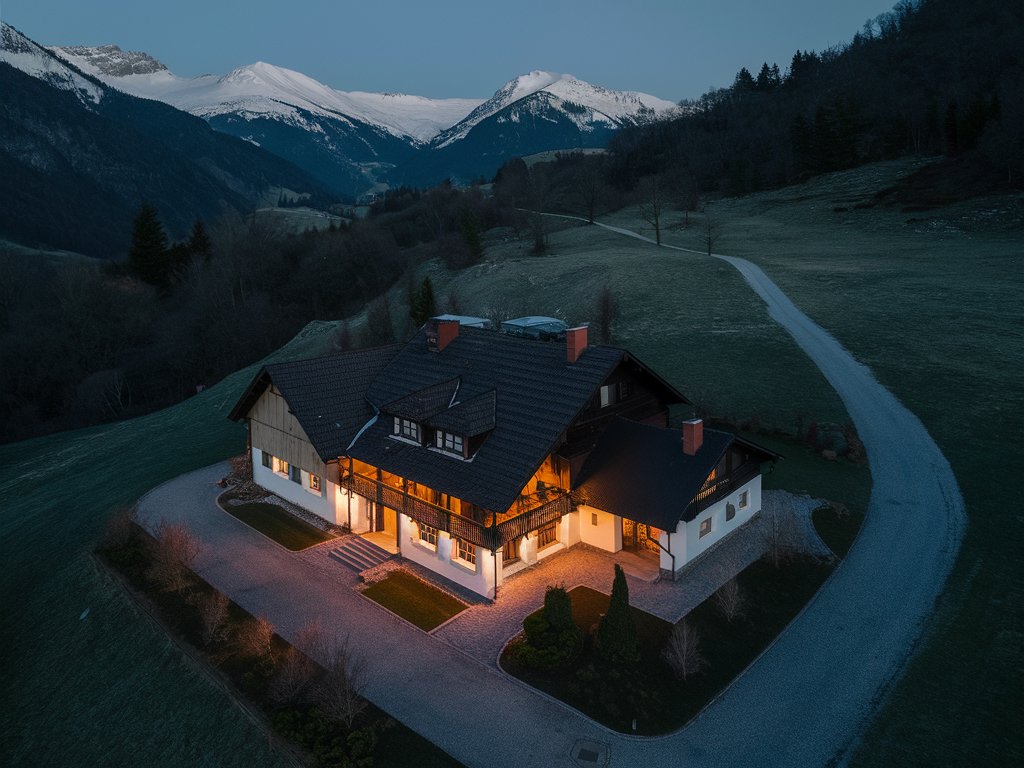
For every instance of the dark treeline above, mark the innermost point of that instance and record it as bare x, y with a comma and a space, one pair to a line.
936, 77
87, 342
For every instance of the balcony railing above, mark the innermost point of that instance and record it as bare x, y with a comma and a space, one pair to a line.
458, 526
716, 489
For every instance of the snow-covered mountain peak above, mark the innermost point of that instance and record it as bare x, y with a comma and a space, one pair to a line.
32, 59
109, 60
587, 103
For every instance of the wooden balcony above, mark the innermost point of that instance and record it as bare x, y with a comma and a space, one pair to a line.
537, 514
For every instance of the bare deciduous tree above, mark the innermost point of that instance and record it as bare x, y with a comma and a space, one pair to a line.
589, 187
711, 232
213, 614
682, 651
781, 537
339, 691
731, 600
297, 670
174, 553
255, 638
652, 204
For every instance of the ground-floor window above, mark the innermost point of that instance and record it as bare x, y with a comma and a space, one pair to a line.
744, 499
547, 535
705, 527
730, 512
465, 551
510, 552
281, 466
428, 534
295, 474
314, 482
268, 460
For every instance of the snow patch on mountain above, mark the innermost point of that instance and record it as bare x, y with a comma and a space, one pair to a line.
21, 53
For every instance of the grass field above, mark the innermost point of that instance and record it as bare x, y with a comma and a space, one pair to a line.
276, 523
414, 600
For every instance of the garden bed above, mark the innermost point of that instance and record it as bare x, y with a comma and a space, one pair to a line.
414, 600
648, 693
277, 523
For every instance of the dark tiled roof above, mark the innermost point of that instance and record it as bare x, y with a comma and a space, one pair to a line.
326, 394
424, 403
470, 418
537, 396
640, 472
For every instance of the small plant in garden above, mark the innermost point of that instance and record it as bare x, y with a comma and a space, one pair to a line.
339, 691
552, 638
682, 651
255, 638
616, 634
731, 600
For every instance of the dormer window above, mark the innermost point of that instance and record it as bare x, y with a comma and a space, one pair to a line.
449, 442
407, 428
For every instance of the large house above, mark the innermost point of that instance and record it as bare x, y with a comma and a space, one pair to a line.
476, 453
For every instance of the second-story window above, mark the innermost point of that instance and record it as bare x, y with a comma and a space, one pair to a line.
407, 428
449, 442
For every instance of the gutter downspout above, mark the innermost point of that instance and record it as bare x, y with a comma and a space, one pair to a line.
669, 552
494, 553
348, 492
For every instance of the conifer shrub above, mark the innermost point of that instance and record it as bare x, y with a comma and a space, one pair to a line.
616, 634
553, 641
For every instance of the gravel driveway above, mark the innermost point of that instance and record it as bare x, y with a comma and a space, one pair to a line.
803, 703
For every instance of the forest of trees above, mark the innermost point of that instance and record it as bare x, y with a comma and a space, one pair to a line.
92, 341
937, 78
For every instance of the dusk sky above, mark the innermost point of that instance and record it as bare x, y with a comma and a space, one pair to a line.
468, 48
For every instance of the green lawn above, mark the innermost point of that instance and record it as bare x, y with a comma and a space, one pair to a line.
650, 693
837, 530
277, 523
414, 600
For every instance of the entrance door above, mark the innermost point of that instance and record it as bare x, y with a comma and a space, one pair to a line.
390, 521
639, 536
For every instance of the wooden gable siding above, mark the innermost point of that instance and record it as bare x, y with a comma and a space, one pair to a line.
274, 429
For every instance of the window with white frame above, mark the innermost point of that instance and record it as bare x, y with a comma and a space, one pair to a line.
268, 460
607, 395
314, 482
407, 428
465, 551
428, 534
705, 527
281, 466
744, 499
449, 442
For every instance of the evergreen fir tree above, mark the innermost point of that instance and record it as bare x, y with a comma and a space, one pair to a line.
422, 304
199, 242
616, 634
148, 257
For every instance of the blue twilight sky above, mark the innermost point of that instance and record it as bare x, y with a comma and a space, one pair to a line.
468, 48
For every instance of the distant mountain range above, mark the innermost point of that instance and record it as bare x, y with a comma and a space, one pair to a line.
351, 141
77, 159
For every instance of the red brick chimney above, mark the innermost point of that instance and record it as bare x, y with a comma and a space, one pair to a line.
441, 333
693, 436
575, 343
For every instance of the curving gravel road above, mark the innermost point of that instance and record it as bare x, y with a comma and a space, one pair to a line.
802, 703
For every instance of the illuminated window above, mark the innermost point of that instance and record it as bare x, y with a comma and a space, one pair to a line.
295, 474
407, 428
268, 460
547, 535
705, 527
449, 442
465, 551
314, 482
428, 534
744, 499
280, 466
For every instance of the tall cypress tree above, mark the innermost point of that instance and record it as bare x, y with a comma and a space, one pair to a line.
616, 634
148, 256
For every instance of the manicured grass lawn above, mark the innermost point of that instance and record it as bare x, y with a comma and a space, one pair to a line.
278, 524
650, 692
837, 531
414, 600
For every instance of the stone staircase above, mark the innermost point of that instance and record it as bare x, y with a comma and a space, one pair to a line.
359, 554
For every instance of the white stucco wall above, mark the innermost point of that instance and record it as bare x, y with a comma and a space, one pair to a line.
326, 503
478, 578
606, 535
686, 541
